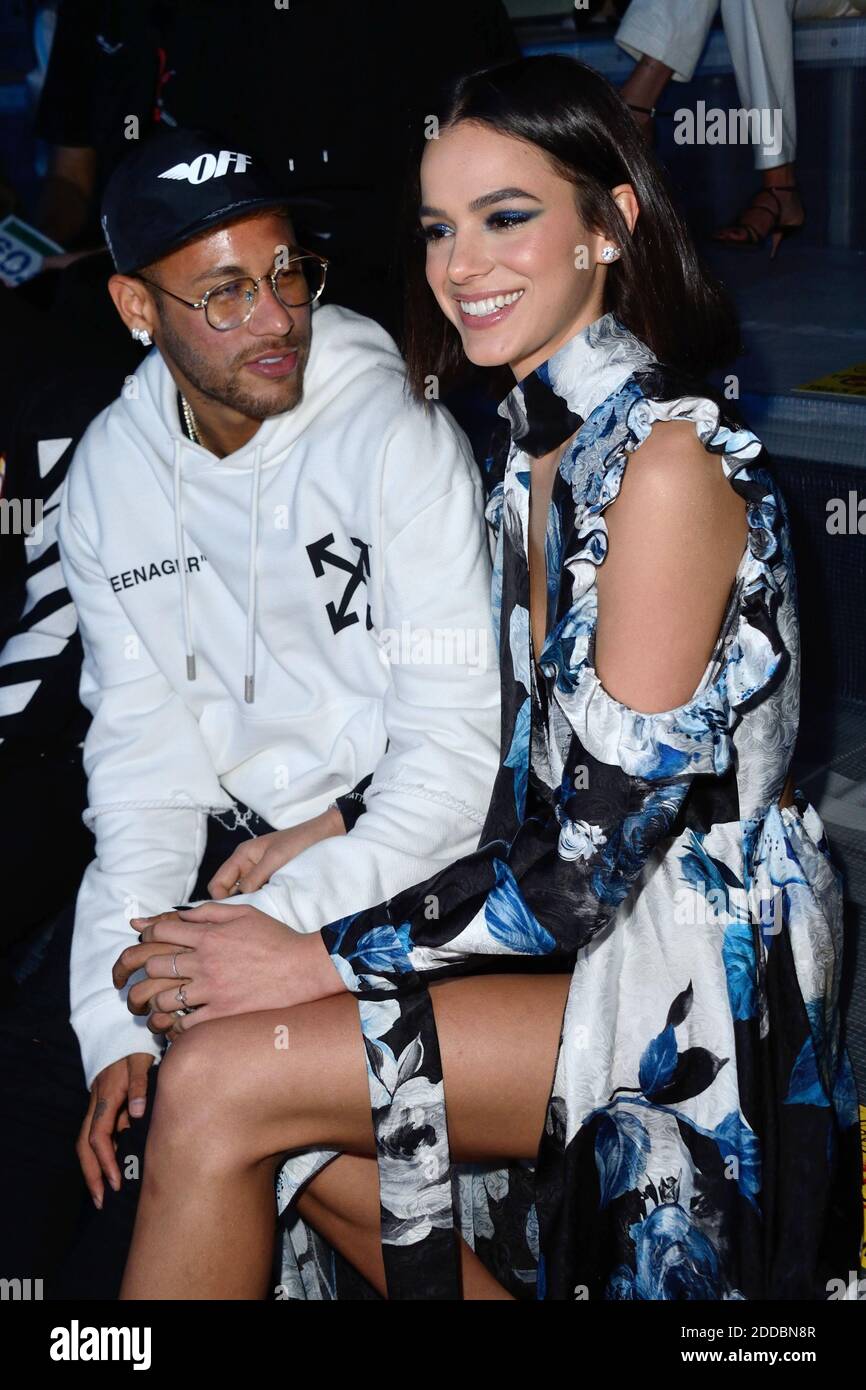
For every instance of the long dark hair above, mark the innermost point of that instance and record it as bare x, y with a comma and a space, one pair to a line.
658, 289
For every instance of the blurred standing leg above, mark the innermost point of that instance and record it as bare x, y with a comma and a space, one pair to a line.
760, 35
667, 38
673, 32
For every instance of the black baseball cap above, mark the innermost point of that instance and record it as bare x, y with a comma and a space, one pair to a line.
177, 183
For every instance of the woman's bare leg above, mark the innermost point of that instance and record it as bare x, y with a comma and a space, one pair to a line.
342, 1204
235, 1095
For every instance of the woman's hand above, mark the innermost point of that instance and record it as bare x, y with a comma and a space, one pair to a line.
253, 862
230, 960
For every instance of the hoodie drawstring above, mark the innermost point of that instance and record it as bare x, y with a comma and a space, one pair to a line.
181, 564
250, 667
250, 673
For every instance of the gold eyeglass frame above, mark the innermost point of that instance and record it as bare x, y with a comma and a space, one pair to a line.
268, 275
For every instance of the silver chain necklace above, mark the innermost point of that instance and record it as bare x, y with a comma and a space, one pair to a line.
190, 419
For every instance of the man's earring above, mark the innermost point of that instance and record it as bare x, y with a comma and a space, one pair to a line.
610, 253
142, 336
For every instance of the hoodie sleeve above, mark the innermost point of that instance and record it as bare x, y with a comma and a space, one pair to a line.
148, 845
351, 806
428, 798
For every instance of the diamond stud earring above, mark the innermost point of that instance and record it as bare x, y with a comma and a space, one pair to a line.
610, 253
142, 336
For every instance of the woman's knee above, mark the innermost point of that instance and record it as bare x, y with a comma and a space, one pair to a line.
195, 1076
272, 1082
219, 1085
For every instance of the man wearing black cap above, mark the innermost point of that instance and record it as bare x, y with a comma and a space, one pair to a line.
245, 532
167, 196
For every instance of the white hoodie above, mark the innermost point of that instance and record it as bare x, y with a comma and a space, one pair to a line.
356, 498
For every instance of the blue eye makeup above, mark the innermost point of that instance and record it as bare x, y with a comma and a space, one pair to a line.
501, 220
510, 217
434, 232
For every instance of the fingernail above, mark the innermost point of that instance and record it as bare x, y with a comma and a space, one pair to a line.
97, 1202
115, 1183
136, 1107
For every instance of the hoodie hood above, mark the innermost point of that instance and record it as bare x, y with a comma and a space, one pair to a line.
343, 346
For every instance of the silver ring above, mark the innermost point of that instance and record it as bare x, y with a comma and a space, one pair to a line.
174, 969
180, 996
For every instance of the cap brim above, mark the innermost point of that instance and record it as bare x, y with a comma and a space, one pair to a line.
232, 213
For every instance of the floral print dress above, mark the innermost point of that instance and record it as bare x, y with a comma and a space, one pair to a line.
701, 1138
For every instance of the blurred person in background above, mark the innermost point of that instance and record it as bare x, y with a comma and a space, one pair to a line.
667, 38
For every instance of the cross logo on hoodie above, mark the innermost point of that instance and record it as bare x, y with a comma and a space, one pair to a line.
357, 569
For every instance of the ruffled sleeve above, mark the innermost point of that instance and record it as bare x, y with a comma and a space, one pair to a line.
749, 656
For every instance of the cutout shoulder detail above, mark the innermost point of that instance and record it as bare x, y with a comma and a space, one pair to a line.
749, 656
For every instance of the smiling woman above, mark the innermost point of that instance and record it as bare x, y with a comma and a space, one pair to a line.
497, 269
555, 185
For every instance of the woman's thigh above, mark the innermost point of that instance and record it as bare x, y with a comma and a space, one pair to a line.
285, 1079
498, 1040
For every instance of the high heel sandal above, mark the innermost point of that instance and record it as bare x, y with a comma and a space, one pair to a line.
776, 231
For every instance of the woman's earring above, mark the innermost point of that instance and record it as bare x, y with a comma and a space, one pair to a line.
610, 253
142, 336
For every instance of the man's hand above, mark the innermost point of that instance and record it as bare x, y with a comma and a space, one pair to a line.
120, 1090
230, 960
253, 862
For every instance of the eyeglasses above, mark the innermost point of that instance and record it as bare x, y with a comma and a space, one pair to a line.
300, 281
